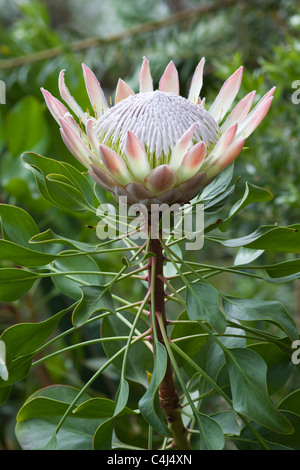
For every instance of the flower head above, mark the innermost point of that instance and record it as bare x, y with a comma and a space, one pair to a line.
155, 145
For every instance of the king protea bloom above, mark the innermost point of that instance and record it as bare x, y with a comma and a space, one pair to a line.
156, 146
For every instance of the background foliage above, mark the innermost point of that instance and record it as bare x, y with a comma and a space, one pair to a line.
261, 35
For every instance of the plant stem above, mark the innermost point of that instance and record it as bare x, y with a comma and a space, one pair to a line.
168, 397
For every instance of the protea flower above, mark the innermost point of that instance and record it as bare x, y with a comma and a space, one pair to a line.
157, 146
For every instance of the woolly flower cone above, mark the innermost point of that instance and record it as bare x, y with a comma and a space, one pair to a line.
156, 146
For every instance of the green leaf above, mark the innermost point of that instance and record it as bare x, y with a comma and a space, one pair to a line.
18, 226
218, 202
28, 115
21, 342
15, 283
252, 195
246, 256
99, 408
268, 238
148, 403
94, 299
291, 403
122, 396
283, 269
18, 369
60, 183
120, 325
71, 285
49, 237
22, 256
218, 185
4, 394
275, 441
248, 310
38, 418
211, 434
247, 373
190, 345
103, 435
202, 303
278, 362
228, 421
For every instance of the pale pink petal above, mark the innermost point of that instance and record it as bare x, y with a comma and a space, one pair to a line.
114, 164
263, 99
136, 156
123, 91
146, 82
71, 121
224, 142
79, 150
56, 108
226, 96
249, 117
169, 81
68, 98
96, 95
240, 111
192, 161
160, 179
93, 139
249, 125
197, 82
226, 158
182, 147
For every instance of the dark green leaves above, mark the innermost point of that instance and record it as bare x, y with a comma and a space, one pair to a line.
37, 420
252, 194
94, 299
60, 183
247, 372
120, 325
248, 310
211, 434
21, 341
202, 303
268, 238
18, 226
39, 417
27, 115
15, 283
148, 404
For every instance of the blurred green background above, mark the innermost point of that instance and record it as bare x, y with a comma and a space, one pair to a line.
38, 38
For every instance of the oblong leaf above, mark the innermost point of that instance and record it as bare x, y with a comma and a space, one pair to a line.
202, 303
264, 310
94, 299
247, 373
15, 283
148, 403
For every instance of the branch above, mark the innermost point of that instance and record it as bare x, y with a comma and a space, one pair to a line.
83, 44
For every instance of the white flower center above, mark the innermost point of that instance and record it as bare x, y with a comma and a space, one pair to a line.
158, 119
